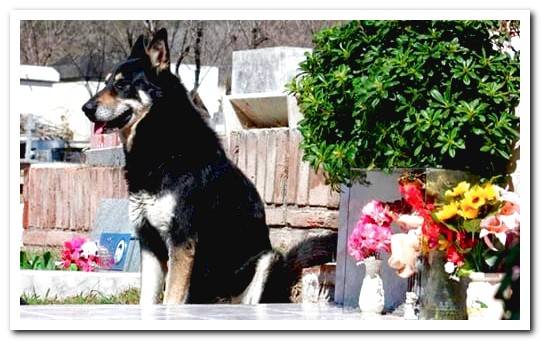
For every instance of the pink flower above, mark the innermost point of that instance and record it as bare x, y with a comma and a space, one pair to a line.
368, 238
378, 212
82, 253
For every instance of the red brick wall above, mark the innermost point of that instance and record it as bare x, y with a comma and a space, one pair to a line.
61, 200
294, 194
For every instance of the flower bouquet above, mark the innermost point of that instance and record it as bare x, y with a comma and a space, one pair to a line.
466, 234
369, 239
463, 231
478, 223
81, 254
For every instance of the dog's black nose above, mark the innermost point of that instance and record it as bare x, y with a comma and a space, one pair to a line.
89, 108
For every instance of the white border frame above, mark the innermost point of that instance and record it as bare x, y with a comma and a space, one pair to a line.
15, 213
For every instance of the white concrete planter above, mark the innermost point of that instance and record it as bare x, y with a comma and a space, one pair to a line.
62, 284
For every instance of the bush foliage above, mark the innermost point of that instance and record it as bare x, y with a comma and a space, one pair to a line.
407, 94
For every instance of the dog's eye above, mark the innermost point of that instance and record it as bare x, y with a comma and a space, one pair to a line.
122, 85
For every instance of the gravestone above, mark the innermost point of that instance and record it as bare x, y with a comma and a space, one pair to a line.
379, 186
112, 217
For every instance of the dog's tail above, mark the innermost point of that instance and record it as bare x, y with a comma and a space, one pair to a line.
310, 252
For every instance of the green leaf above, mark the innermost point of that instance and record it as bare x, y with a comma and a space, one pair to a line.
472, 225
437, 95
418, 150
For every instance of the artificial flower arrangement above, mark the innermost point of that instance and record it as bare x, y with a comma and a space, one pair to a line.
474, 226
478, 223
81, 254
372, 233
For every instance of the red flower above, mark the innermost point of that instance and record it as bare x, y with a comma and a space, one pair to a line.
454, 256
413, 195
464, 240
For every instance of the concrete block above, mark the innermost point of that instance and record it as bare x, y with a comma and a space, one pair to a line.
105, 157
263, 70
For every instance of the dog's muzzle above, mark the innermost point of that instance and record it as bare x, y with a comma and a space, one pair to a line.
89, 108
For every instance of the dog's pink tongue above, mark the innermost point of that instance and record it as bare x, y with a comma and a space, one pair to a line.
99, 127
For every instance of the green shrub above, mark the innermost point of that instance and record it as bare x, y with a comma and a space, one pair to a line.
406, 94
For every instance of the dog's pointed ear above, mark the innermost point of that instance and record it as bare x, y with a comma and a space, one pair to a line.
158, 51
138, 48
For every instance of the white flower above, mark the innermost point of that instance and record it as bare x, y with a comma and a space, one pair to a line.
89, 248
449, 267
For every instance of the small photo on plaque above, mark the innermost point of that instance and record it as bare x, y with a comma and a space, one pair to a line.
116, 245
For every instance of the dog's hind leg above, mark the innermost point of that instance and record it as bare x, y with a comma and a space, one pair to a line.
179, 273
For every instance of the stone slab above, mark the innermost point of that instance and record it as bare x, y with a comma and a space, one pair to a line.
63, 284
349, 276
112, 216
322, 312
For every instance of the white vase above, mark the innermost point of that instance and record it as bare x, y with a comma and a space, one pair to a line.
371, 297
480, 300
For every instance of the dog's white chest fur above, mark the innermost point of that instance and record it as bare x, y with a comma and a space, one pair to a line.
157, 209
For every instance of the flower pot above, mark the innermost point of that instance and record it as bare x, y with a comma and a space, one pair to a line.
481, 303
371, 296
442, 298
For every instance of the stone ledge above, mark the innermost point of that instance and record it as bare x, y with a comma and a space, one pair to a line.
62, 284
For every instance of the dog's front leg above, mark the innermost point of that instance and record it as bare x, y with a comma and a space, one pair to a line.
152, 274
153, 264
179, 273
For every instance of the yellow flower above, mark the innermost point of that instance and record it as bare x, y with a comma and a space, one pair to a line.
467, 211
490, 192
447, 211
475, 197
460, 189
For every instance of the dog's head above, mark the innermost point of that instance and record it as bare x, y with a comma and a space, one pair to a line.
131, 87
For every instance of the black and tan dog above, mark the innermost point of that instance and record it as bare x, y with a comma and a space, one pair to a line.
200, 221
